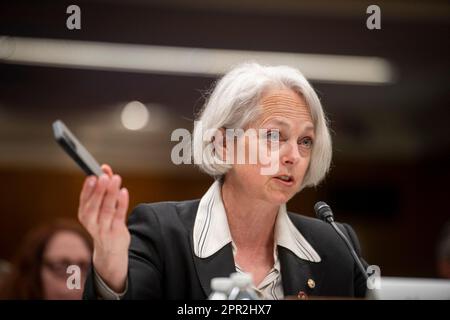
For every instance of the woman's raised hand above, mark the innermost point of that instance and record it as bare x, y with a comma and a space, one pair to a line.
102, 211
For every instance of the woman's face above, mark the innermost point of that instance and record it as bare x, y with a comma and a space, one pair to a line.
284, 111
65, 248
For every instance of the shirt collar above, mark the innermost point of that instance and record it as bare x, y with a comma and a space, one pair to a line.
212, 233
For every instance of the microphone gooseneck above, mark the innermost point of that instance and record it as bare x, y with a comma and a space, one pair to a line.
324, 213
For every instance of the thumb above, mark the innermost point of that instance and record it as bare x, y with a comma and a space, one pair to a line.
107, 169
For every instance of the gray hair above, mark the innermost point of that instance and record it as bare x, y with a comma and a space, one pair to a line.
233, 104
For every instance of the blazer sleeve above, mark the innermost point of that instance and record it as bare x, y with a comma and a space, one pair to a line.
359, 281
145, 262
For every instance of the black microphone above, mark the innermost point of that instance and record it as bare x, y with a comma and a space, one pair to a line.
323, 212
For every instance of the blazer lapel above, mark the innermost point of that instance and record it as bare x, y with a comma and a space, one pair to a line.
298, 275
220, 264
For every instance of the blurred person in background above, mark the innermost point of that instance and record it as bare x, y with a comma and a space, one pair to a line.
5, 271
443, 253
39, 269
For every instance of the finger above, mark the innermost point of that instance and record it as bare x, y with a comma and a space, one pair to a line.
93, 204
108, 207
107, 169
88, 188
122, 207
85, 194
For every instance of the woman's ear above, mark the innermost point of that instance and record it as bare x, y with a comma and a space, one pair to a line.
220, 144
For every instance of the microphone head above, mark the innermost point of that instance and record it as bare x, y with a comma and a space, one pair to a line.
323, 211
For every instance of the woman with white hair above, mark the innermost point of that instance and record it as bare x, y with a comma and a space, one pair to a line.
172, 250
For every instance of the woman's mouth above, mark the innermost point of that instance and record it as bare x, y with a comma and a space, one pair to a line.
285, 180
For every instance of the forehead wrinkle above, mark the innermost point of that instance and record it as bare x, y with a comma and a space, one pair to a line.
286, 100
277, 121
284, 104
281, 98
303, 111
277, 111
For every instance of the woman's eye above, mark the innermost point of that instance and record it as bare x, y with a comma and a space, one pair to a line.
306, 142
273, 136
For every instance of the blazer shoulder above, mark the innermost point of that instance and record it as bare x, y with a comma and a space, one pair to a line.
165, 212
318, 231
305, 223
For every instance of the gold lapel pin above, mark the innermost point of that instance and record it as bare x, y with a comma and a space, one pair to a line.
311, 283
301, 295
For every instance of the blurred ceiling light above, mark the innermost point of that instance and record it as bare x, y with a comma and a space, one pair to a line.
187, 61
135, 115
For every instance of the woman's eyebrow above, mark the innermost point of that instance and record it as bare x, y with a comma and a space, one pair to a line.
278, 122
309, 127
281, 123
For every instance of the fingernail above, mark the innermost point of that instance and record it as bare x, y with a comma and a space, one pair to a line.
91, 182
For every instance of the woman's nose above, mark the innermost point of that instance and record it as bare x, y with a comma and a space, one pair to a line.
290, 154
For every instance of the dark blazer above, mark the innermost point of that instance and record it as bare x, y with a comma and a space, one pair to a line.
162, 263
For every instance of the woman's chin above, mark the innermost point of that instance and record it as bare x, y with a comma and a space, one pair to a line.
279, 198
